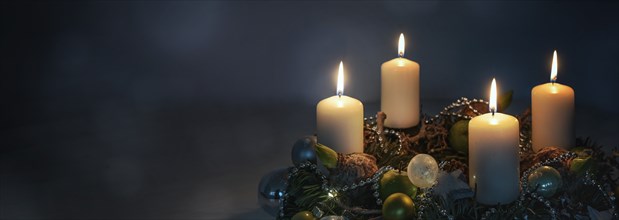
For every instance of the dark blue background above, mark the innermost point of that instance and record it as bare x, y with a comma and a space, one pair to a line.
138, 109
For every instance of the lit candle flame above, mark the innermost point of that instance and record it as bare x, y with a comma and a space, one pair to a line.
553, 71
492, 104
340, 80
401, 46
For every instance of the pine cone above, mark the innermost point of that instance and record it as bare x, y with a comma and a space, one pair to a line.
352, 168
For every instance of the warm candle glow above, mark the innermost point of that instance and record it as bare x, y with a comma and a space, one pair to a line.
552, 110
553, 71
492, 102
493, 155
399, 78
340, 80
401, 46
339, 120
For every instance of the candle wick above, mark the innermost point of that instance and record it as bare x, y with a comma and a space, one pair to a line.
339, 94
400, 54
492, 111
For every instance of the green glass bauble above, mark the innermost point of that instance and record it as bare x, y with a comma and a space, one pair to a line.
581, 165
546, 179
396, 182
459, 136
398, 206
303, 215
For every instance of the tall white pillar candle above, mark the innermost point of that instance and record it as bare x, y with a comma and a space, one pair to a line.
493, 155
552, 112
340, 120
400, 90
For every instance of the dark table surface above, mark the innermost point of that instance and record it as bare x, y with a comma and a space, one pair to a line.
178, 161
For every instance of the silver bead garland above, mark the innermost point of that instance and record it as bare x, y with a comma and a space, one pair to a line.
293, 172
610, 199
526, 190
425, 199
371, 125
463, 101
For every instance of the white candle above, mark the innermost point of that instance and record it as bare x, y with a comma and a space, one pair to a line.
340, 120
552, 112
493, 155
400, 90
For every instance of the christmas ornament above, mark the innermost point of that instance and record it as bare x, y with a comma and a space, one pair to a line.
304, 150
303, 215
423, 170
583, 162
396, 182
326, 155
581, 165
546, 179
459, 136
271, 189
398, 206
